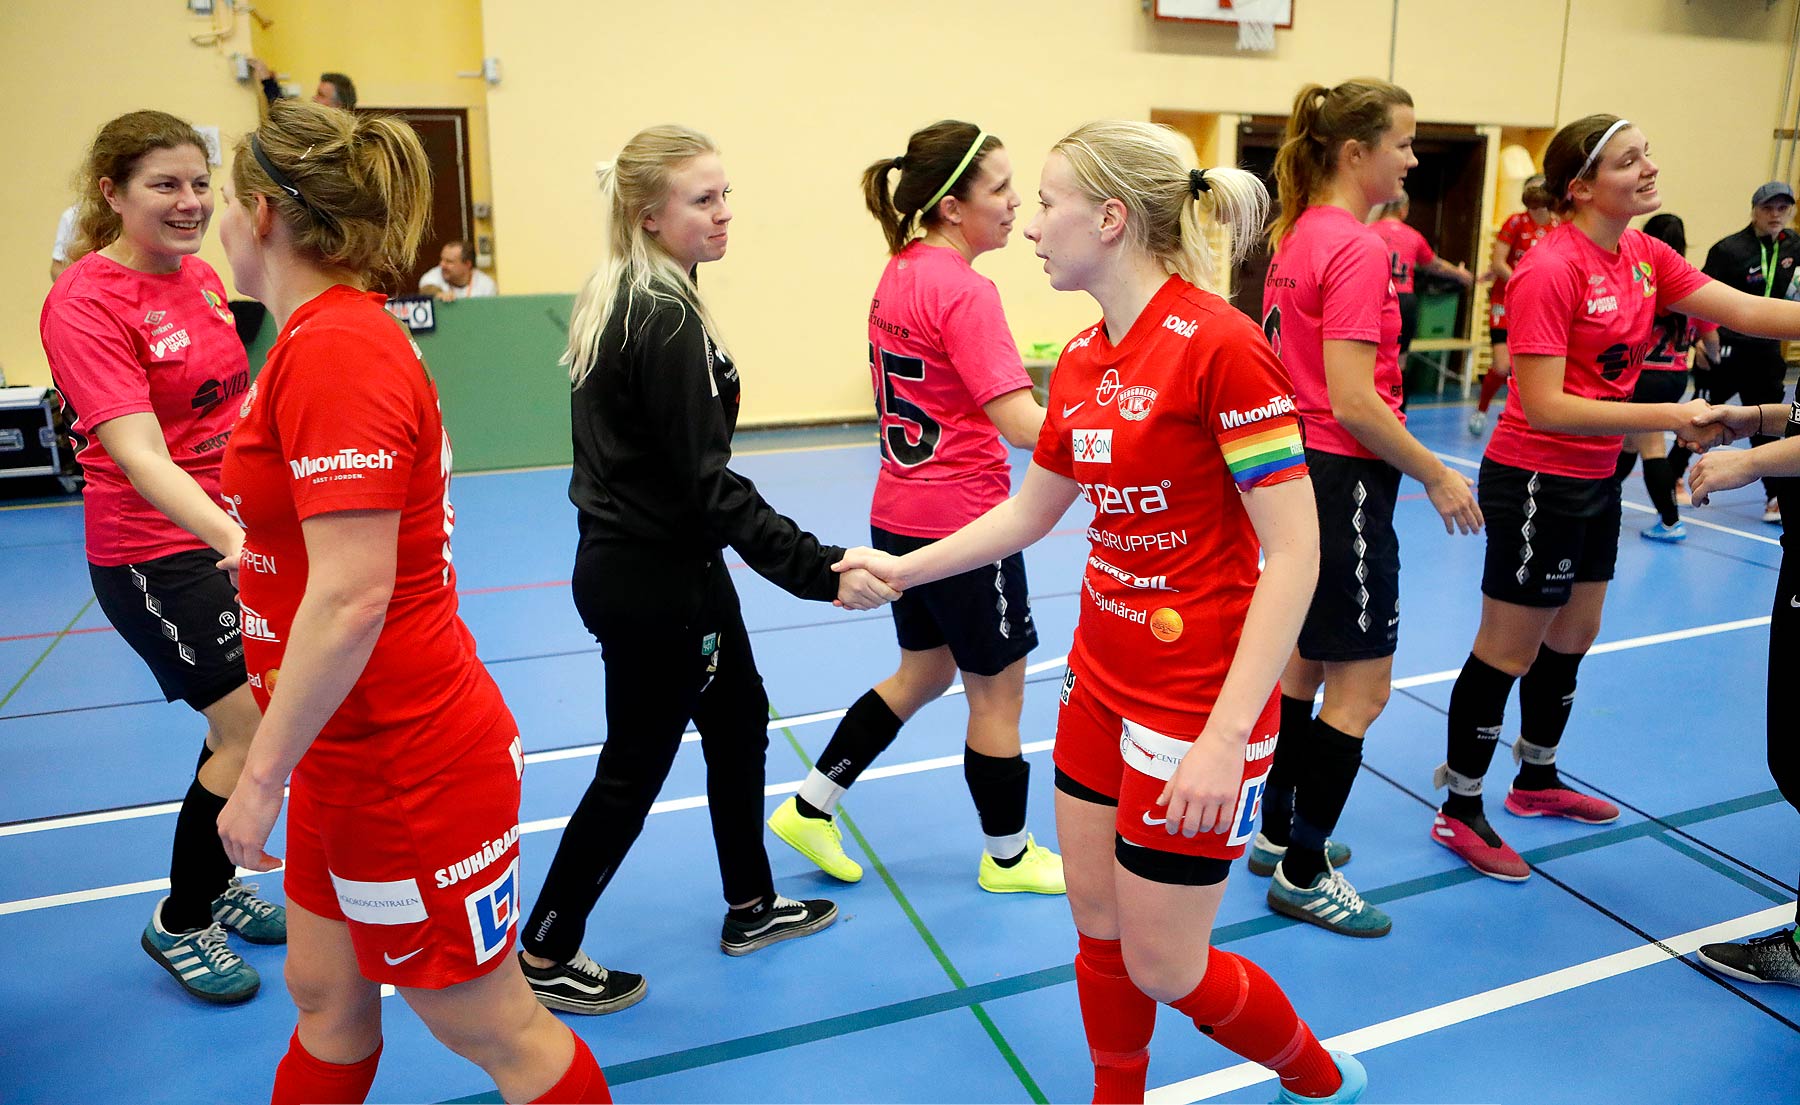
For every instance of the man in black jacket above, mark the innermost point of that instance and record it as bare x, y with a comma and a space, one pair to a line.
1759, 259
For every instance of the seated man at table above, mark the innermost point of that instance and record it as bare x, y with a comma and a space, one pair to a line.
455, 275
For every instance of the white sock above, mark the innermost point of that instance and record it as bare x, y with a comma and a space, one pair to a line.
1004, 847
820, 792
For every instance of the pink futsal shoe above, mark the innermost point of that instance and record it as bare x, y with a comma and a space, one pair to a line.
1495, 862
1561, 802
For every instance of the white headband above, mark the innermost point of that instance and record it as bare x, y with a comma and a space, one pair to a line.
1598, 146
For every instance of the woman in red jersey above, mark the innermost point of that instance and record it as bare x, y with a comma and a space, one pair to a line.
1330, 311
402, 853
1173, 419
1516, 236
1409, 254
142, 347
1582, 307
952, 394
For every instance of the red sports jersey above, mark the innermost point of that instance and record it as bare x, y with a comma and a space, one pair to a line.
1329, 281
1162, 432
939, 349
1676, 334
119, 342
1407, 250
344, 417
1520, 232
1595, 309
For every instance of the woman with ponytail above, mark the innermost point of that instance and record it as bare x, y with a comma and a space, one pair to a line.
952, 394
142, 347
1172, 417
1331, 313
402, 836
655, 404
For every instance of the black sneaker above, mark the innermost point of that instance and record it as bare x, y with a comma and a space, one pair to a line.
583, 986
1771, 958
783, 919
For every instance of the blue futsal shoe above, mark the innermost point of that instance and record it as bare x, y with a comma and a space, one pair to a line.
201, 961
241, 911
1356, 1081
1265, 855
1670, 534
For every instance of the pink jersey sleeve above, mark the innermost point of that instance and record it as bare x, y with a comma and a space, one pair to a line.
1422, 254
348, 435
980, 345
1054, 452
1248, 405
1676, 279
1541, 302
95, 362
1355, 285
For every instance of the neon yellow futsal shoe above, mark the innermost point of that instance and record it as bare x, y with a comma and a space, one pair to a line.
1039, 871
821, 842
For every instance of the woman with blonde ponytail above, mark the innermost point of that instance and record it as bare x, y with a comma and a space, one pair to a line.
402, 836
1332, 315
654, 407
952, 394
1175, 421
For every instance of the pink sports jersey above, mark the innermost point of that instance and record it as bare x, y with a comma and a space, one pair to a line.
1520, 232
120, 342
1675, 336
1406, 250
939, 349
1574, 300
1163, 432
1329, 282
344, 417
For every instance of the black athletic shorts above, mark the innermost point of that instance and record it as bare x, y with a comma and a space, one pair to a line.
1409, 322
1659, 385
1355, 612
179, 613
984, 615
1546, 533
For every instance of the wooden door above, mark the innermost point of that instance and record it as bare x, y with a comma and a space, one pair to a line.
444, 132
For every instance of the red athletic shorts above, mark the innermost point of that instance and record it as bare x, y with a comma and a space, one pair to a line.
428, 879
1121, 759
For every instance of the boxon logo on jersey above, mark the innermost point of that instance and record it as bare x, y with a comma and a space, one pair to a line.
1092, 446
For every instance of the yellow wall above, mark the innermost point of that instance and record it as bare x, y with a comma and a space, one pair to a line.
399, 53
68, 68
802, 95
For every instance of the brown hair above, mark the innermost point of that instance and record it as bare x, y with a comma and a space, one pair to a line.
1533, 193
363, 183
464, 248
115, 154
932, 154
1324, 119
1566, 154
343, 86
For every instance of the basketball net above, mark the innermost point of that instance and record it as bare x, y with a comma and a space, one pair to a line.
1256, 24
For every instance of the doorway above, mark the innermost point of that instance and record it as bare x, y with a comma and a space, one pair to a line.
444, 132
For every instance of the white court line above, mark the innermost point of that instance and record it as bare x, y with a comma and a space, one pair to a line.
1406, 1027
578, 752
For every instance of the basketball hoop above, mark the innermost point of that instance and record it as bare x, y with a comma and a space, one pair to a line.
1256, 24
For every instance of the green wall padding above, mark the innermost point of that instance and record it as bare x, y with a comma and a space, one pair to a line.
505, 399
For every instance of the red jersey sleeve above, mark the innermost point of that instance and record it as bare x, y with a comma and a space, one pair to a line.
1541, 302
1676, 279
347, 415
95, 362
1247, 403
1355, 283
980, 345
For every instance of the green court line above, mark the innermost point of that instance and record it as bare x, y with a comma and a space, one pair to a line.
1742, 878
931, 942
42, 656
963, 997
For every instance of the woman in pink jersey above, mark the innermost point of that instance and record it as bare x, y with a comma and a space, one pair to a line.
1582, 309
142, 346
1516, 236
1331, 313
1409, 254
952, 395
402, 837
1172, 418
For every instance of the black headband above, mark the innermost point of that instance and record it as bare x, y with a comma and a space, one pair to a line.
282, 180
1197, 182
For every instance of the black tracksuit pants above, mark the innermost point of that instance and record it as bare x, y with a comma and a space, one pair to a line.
675, 649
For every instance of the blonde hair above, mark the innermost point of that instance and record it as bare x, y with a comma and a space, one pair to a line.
114, 154
632, 186
1149, 168
1324, 119
364, 184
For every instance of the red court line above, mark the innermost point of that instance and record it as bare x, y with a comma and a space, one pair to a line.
57, 633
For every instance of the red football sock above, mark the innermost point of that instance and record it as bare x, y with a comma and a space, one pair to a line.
1119, 1019
302, 1077
581, 1084
1241, 1007
1490, 384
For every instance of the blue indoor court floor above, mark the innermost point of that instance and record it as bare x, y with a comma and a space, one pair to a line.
1576, 986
